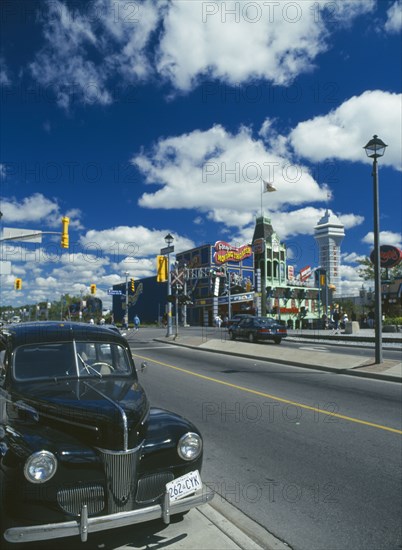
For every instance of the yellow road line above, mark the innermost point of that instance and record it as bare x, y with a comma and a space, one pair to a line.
274, 397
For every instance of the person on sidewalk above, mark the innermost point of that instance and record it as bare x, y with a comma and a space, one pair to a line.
136, 322
218, 321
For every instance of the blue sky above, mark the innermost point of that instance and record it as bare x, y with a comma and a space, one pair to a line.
136, 119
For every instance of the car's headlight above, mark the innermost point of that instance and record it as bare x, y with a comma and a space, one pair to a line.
40, 467
189, 446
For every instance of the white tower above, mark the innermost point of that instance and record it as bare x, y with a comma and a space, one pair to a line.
329, 233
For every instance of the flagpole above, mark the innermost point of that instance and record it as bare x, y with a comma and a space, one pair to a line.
262, 187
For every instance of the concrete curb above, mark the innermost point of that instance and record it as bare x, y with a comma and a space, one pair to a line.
244, 531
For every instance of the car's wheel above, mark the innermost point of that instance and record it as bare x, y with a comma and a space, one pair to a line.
251, 337
277, 340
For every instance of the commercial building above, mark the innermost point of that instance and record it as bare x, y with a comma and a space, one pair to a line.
223, 279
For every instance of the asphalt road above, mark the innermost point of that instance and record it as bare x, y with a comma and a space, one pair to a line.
315, 480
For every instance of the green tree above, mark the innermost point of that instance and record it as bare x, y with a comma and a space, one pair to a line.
366, 270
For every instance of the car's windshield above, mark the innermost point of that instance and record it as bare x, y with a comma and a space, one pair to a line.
70, 359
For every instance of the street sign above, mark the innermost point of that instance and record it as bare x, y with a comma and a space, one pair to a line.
5, 267
115, 292
13, 234
167, 250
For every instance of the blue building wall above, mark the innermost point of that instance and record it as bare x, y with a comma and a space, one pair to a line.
148, 301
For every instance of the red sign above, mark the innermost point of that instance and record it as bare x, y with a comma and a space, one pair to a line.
390, 256
225, 252
305, 273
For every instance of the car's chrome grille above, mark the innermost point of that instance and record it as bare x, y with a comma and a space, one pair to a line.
121, 478
152, 486
72, 500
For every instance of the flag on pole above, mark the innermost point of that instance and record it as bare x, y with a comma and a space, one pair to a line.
268, 187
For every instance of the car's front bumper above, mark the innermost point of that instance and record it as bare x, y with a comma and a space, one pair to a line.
86, 525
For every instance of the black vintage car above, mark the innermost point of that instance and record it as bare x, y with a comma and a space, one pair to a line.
81, 450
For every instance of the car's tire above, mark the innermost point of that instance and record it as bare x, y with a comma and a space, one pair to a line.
251, 338
277, 340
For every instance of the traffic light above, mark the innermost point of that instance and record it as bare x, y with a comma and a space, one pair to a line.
161, 269
64, 232
93, 289
288, 293
302, 293
132, 285
18, 284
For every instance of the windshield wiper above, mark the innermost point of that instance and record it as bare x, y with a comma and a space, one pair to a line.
88, 368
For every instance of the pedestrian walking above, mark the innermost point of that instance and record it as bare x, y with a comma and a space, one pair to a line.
136, 322
218, 321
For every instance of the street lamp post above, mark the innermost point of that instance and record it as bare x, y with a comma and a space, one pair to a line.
375, 148
126, 273
169, 240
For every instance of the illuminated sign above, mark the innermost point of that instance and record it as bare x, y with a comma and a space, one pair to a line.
224, 252
390, 256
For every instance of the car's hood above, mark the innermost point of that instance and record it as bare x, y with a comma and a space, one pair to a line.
108, 413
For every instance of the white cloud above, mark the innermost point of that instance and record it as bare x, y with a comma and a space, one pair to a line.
215, 171
132, 243
238, 41
386, 237
63, 64
343, 132
84, 49
37, 209
87, 48
393, 23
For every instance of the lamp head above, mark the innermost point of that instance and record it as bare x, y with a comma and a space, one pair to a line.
375, 147
169, 239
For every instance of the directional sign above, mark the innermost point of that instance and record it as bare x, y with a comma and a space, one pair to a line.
167, 250
5, 267
115, 292
13, 234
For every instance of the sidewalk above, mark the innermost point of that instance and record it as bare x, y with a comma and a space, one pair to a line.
309, 356
214, 526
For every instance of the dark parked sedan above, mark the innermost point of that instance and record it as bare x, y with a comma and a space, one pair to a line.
81, 450
237, 318
258, 328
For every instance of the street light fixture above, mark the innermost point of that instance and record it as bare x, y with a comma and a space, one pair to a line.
375, 148
169, 240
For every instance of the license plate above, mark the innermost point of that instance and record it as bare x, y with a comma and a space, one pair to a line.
184, 485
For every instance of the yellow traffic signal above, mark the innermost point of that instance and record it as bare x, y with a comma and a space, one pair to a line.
64, 232
161, 269
93, 289
18, 284
132, 284
322, 280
